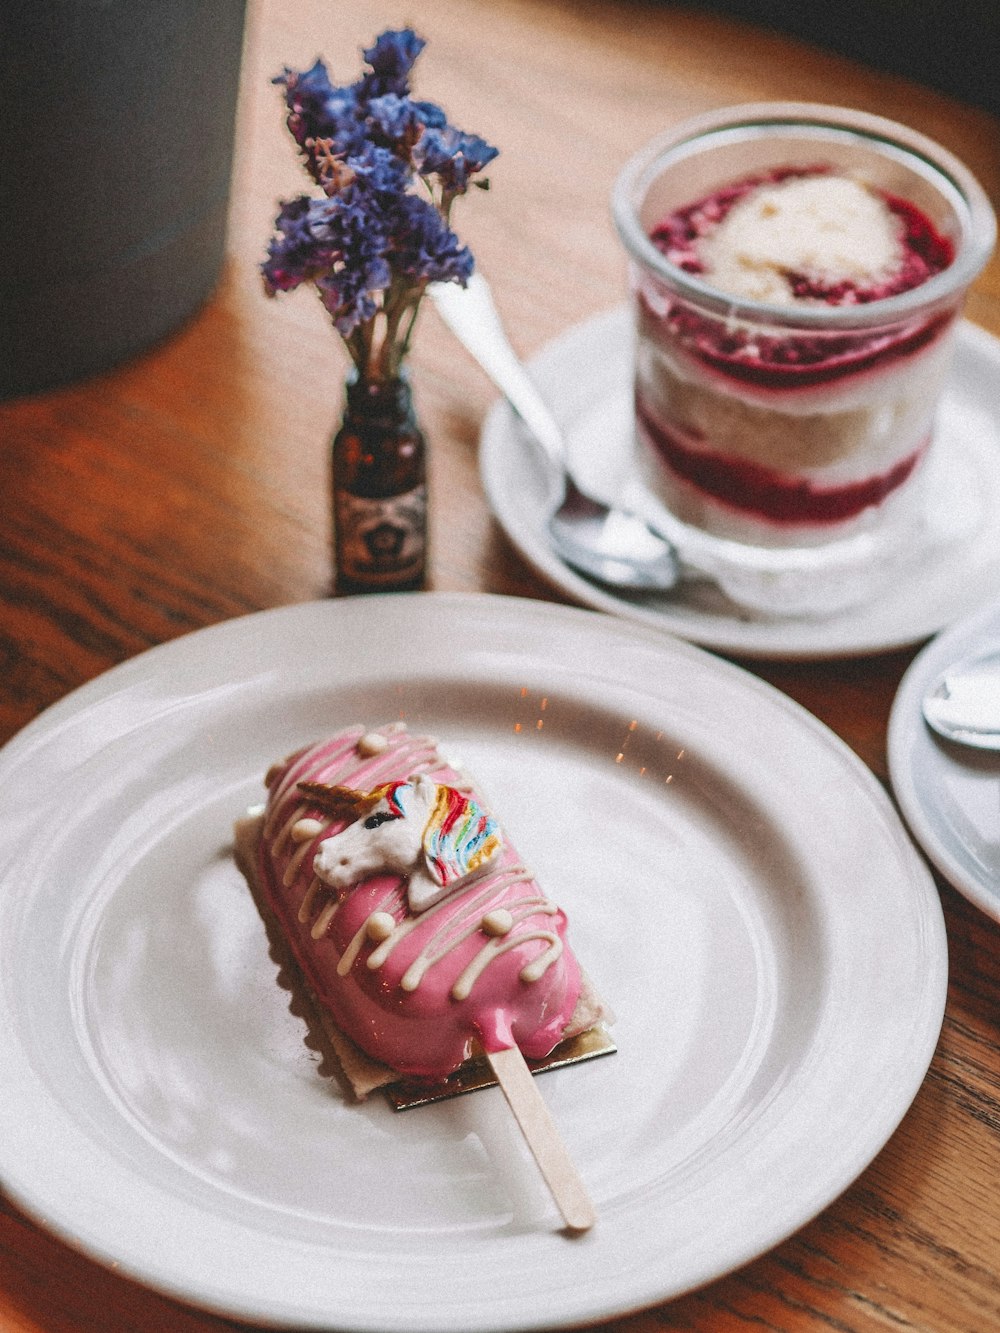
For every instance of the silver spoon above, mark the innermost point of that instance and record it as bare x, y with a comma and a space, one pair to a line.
610, 545
963, 704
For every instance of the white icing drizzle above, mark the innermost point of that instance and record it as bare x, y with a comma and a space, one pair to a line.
386, 766
304, 764
322, 922
463, 986
285, 832
455, 932
351, 952
298, 856
361, 935
304, 830
306, 905
536, 969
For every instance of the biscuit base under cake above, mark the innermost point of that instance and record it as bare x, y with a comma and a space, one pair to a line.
361, 1073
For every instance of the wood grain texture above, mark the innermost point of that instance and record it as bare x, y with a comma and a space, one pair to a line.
190, 486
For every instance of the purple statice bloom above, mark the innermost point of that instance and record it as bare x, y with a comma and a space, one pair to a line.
400, 121
299, 252
424, 247
397, 118
431, 114
318, 110
358, 229
452, 155
343, 243
391, 59
348, 299
375, 238
379, 171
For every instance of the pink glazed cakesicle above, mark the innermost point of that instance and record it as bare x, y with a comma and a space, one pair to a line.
421, 937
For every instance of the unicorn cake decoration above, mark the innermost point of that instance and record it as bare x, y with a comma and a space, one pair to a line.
439, 837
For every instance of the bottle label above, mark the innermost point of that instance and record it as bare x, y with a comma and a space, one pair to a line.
381, 542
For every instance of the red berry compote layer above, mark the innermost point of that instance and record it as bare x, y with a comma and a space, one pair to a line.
765, 432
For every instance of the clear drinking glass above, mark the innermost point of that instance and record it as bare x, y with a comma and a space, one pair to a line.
788, 443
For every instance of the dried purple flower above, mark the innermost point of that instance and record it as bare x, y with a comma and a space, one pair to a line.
452, 155
391, 59
298, 253
317, 110
426, 248
372, 242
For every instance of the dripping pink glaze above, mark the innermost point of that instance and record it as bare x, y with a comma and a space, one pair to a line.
424, 1032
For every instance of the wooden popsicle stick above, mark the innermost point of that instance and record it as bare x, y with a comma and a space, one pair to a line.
539, 1130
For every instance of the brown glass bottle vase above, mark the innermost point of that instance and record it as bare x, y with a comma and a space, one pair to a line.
379, 490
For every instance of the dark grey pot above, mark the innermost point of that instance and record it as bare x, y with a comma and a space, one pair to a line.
116, 147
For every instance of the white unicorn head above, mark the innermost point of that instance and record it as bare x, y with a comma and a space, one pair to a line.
437, 836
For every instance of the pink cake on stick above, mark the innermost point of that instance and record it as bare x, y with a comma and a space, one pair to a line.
417, 927
421, 938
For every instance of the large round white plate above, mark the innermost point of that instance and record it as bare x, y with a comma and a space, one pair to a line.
737, 884
586, 377
949, 794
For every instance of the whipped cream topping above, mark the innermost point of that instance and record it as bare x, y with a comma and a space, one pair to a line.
832, 229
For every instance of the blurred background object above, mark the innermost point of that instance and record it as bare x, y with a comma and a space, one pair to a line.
116, 145
952, 47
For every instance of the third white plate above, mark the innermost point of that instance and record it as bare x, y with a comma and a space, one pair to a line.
949, 794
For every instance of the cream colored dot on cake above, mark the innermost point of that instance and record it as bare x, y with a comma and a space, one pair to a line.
380, 926
304, 829
372, 743
498, 922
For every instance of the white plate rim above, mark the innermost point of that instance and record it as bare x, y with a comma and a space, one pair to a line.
508, 466
509, 618
911, 745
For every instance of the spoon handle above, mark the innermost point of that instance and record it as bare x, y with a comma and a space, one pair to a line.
472, 316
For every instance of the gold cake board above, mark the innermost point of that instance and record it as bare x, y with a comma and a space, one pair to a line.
476, 1074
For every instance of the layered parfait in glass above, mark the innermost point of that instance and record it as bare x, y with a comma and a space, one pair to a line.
798, 272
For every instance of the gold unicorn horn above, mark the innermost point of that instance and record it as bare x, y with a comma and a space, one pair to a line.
341, 802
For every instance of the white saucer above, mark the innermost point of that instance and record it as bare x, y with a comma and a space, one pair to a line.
751, 907
586, 377
949, 794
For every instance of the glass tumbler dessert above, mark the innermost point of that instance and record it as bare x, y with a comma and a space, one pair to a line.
798, 272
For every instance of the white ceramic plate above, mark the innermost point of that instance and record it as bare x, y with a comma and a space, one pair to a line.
586, 377
737, 883
949, 794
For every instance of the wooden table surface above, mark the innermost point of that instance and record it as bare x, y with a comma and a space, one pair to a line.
190, 486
